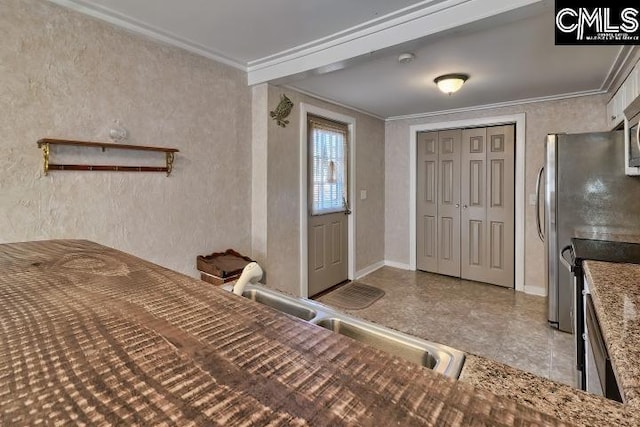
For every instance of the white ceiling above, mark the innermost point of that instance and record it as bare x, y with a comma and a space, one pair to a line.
246, 30
346, 51
514, 61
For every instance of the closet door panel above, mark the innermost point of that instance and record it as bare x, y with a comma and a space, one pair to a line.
500, 246
427, 202
449, 143
473, 214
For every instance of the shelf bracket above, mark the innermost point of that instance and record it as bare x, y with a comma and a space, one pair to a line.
45, 154
169, 156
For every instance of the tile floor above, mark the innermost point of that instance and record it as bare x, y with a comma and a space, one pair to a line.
497, 323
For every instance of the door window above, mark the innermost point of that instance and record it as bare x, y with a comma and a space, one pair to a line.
328, 143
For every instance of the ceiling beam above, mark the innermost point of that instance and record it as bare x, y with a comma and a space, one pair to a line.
433, 17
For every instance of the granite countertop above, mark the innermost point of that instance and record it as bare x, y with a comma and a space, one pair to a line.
615, 290
560, 400
91, 335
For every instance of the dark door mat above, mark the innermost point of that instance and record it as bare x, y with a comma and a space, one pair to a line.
353, 296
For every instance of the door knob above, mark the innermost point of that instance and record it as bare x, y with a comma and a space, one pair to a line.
464, 206
345, 205
457, 205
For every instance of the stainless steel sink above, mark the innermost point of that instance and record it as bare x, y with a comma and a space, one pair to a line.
281, 304
382, 340
438, 357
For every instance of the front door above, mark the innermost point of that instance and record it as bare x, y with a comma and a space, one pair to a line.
328, 203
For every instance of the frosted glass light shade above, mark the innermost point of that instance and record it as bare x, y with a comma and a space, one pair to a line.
450, 83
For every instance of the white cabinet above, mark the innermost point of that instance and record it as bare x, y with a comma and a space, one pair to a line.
628, 91
611, 116
631, 87
615, 108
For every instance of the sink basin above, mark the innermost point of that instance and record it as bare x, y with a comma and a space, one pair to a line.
437, 357
280, 303
386, 341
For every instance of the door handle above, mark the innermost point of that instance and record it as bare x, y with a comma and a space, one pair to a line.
538, 222
464, 206
345, 205
457, 205
568, 262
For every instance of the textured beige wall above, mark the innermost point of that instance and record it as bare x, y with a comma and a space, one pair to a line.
283, 220
583, 114
66, 75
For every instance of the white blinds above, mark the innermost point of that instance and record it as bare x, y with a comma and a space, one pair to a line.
327, 166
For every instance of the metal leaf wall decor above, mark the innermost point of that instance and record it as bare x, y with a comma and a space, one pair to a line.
282, 111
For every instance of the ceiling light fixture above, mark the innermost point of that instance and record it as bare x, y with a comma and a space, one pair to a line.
450, 83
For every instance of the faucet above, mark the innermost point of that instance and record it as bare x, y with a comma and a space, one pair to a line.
251, 273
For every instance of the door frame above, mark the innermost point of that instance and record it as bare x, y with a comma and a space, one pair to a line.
519, 120
305, 110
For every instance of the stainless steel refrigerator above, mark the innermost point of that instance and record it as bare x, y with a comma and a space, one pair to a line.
585, 190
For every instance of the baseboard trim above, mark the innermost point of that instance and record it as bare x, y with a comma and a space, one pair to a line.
369, 269
399, 265
535, 290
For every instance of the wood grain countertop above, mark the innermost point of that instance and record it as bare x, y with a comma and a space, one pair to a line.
91, 335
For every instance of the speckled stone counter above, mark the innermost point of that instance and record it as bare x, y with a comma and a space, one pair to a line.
560, 400
615, 290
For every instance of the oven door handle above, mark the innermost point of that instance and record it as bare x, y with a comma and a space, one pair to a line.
569, 263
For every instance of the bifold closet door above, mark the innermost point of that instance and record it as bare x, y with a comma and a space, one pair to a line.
488, 205
438, 202
427, 201
449, 143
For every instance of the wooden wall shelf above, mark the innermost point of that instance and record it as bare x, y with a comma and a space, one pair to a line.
46, 143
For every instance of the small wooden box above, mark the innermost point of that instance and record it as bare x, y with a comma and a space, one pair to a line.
221, 267
218, 281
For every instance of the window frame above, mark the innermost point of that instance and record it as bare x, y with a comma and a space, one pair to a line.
315, 123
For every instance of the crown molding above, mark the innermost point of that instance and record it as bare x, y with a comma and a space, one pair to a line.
331, 101
627, 57
426, 18
499, 105
131, 24
419, 20
352, 32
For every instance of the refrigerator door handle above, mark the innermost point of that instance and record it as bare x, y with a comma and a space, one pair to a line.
538, 221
